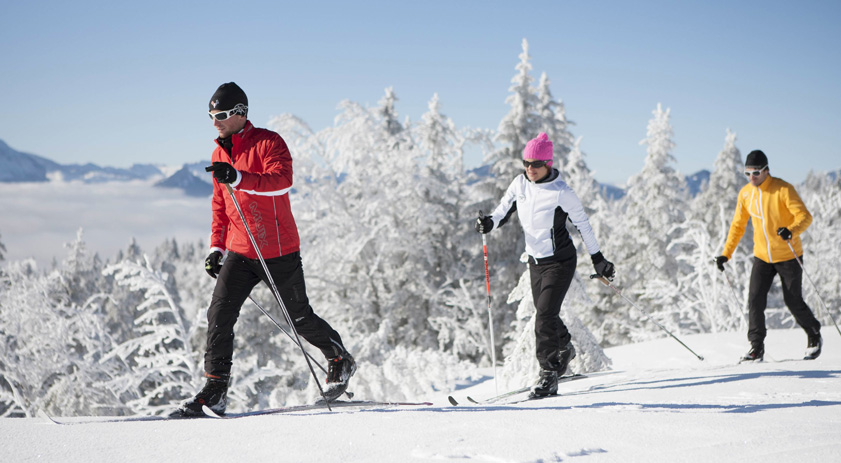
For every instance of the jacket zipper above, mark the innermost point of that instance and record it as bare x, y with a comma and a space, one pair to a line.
764, 229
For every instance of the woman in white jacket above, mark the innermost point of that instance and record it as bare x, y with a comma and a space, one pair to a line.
543, 203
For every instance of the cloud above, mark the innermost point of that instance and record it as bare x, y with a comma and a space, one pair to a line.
36, 219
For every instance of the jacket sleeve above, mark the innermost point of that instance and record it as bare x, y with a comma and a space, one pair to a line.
737, 228
507, 205
570, 203
276, 176
802, 217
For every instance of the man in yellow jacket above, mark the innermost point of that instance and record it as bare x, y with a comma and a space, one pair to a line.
778, 215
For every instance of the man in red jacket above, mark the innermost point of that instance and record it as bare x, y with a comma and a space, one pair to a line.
257, 165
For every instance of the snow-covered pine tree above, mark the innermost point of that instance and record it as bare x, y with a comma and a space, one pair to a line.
160, 365
656, 199
50, 345
445, 229
822, 196
707, 302
554, 123
385, 222
388, 113
719, 196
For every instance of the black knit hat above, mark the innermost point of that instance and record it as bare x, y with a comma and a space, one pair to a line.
756, 158
229, 96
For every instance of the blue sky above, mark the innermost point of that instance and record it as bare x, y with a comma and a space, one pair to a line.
117, 83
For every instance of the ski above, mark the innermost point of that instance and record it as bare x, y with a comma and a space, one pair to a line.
316, 406
515, 392
127, 419
210, 414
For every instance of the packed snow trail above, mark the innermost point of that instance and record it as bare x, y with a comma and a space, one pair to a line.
657, 405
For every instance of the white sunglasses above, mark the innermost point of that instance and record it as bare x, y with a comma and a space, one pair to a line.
755, 173
222, 115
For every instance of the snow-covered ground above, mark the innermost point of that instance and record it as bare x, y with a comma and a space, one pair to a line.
659, 403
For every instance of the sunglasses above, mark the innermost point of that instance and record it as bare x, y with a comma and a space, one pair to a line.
755, 173
534, 164
222, 115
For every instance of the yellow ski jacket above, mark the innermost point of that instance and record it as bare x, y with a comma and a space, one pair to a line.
771, 205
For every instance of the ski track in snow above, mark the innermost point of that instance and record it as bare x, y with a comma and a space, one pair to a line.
658, 404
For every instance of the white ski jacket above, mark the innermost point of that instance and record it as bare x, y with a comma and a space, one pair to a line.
543, 209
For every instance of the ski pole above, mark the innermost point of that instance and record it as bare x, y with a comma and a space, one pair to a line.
490, 314
814, 286
607, 283
349, 394
276, 293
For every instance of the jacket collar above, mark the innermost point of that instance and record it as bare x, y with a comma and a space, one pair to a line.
228, 143
766, 185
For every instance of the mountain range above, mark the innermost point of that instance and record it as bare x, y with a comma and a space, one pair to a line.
17, 166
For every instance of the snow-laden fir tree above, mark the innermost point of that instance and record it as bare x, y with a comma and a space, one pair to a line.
50, 345
822, 195
446, 228
160, 362
554, 123
381, 230
656, 199
720, 194
711, 301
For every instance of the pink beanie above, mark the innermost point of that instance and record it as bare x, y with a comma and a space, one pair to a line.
539, 148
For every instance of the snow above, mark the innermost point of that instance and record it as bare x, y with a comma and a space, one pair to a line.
659, 403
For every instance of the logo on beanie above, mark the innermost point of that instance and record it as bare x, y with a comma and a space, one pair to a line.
214, 103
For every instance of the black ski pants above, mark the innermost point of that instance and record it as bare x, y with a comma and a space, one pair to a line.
234, 283
791, 277
549, 284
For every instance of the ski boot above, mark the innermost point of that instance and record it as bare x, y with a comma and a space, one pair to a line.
214, 395
755, 354
546, 385
340, 369
813, 348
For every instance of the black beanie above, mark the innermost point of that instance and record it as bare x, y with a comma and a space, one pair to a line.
756, 158
227, 97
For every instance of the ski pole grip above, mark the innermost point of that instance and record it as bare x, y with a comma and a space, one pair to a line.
601, 278
208, 169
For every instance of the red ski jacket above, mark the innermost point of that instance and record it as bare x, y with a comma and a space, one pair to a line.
262, 190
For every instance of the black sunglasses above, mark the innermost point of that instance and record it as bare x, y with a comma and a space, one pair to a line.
535, 164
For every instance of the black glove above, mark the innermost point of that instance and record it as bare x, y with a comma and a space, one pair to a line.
484, 224
223, 172
719, 262
603, 266
212, 265
784, 233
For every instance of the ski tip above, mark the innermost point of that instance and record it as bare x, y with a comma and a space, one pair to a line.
207, 411
452, 400
44, 415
